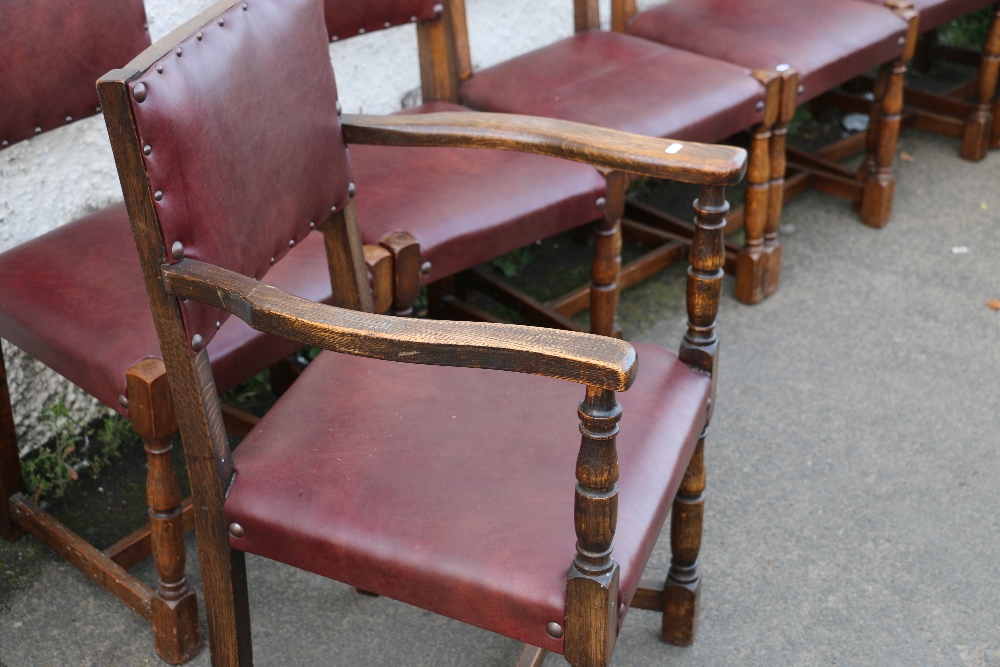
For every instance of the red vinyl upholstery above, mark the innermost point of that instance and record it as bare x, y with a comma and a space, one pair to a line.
347, 18
624, 83
264, 165
60, 303
935, 13
52, 55
827, 41
466, 206
329, 479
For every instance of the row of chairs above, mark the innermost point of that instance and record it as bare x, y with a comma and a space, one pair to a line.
225, 183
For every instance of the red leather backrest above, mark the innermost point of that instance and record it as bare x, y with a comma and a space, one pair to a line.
51, 55
347, 18
245, 150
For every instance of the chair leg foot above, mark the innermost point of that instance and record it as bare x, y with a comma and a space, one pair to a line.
176, 632
772, 269
681, 601
751, 275
876, 203
976, 137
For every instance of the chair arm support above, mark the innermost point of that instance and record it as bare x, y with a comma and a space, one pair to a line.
596, 361
703, 164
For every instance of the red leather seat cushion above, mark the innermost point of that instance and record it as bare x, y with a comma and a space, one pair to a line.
935, 13
466, 206
75, 300
623, 83
827, 41
452, 489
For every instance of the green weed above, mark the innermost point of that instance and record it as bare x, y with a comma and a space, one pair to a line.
73, 447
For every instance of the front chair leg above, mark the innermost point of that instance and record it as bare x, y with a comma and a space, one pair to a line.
176, 631
683, 587
406, 271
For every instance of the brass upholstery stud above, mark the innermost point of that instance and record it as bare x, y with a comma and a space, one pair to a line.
802, 89
438, 9
177, 250
351, 190
122, 401
236, 530
178, 51
147, 149
760, 105
97, 109
139, 92
158, 195
312, 225
272, 261
218, 325
38, 130
901, 40
340, 108
333, 209
291, 243
145, 26
554, 629
159, 68
243, 6
69, 119
4, 144
198, 35
600, 203
361, 31
387, 24
197, 342
334, 38
413, 19
425, 268
783, 67
221, 21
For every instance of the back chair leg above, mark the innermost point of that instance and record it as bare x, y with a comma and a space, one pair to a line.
980, 129
880, 185
683, 587
751, 262
607, 264
176, 631
406, 270
10, 462
779, 165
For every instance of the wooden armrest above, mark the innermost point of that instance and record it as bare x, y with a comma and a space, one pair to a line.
703, 164
597, 361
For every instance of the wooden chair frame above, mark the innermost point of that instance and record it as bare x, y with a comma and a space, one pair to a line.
603, 364
975, 124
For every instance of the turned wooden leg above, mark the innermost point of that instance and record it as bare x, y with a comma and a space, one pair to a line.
752, 260
779, 165
607, 264
406, 271
977, 133
880, 185
683, 586
10, 462
176, 632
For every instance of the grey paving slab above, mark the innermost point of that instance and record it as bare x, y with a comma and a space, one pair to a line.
853, 471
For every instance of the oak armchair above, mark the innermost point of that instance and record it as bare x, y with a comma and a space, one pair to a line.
463, 439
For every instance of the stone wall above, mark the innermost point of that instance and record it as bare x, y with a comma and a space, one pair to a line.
66, 173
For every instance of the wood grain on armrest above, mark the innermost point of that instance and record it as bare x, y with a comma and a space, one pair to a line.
577, 357
704, 164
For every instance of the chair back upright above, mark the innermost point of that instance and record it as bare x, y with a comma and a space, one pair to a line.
241, 148
53, 52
